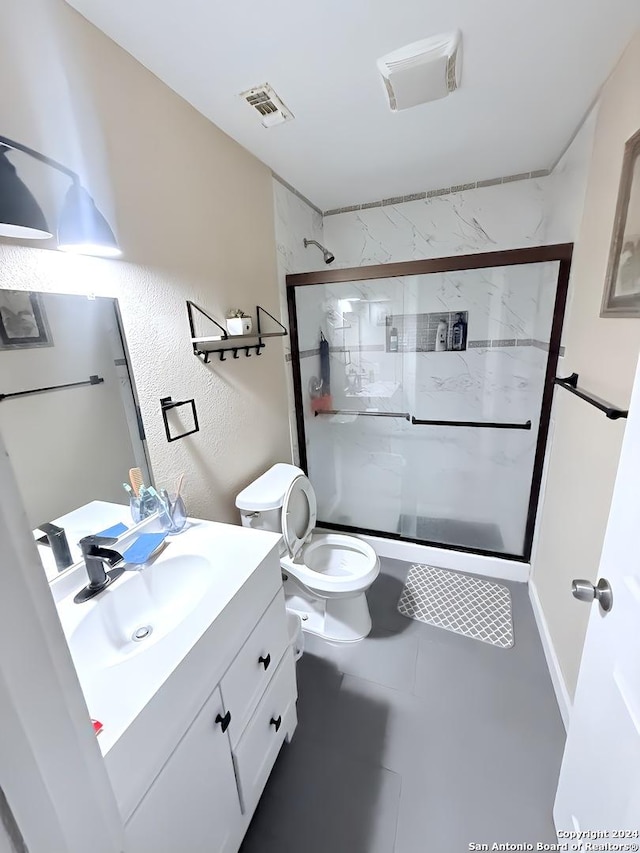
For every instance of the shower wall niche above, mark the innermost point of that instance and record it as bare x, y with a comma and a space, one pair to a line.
439, 331
421, 440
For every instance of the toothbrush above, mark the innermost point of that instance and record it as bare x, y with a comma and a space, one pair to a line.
179, 488
128, 489
164, 494
172, 509
162, 507
147, 504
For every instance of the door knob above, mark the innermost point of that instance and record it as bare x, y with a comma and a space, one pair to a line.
584, 590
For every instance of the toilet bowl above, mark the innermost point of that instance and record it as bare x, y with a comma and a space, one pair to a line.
325, 574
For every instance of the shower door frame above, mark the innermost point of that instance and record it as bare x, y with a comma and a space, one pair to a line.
561, 252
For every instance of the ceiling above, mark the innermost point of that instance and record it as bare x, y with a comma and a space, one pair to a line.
530, 70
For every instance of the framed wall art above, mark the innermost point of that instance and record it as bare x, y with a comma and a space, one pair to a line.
622, 289
23, 322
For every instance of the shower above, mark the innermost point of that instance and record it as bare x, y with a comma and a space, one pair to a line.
441, 379
329, 257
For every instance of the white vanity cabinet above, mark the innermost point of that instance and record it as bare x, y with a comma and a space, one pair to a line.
193, 804
202, 796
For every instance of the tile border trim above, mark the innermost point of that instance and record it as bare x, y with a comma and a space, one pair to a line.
495, 343
434, 193
296, 192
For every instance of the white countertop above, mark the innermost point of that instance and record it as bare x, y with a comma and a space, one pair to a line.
116, 694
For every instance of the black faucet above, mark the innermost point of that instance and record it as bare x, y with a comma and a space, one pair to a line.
57, 539
95, 554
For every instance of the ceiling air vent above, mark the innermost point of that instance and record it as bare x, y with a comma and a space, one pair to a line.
268, 104
422, 71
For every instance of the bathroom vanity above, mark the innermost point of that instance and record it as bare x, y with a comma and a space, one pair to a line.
194, 713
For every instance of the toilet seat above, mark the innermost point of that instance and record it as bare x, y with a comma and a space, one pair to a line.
299, 514
328, 563
332, 564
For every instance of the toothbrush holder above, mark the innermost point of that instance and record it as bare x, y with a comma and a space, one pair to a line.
142, 508
174, 518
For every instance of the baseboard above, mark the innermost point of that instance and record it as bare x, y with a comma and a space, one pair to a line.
557, 679
444, 558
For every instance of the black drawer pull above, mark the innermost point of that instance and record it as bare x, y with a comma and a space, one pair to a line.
224, 721
265, 661
277, 723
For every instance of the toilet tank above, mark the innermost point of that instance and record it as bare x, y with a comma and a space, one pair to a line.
260, 503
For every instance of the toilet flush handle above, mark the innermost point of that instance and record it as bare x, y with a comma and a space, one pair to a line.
251, 514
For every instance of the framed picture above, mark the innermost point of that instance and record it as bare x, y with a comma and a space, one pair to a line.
23, 322
622, 289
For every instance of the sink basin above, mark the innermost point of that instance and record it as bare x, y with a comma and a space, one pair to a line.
138, 610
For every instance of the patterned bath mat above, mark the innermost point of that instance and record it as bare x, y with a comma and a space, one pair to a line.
461, 603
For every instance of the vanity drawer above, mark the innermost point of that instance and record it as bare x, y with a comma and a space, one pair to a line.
248, 676
274, 720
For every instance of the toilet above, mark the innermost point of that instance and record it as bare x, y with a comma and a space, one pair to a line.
325, 574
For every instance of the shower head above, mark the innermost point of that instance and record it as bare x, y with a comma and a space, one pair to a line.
329, 257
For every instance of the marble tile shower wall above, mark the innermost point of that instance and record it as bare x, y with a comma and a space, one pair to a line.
294, 220
370, 472
486, 219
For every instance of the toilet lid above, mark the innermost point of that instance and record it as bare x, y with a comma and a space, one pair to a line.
298, 514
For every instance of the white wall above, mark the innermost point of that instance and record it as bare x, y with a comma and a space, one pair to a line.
68, 446
53, 774
586, 445
194, 216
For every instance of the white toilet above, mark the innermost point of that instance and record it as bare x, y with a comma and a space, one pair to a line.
326, 574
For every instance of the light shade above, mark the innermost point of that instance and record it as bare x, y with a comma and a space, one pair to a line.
82, 228
20, 214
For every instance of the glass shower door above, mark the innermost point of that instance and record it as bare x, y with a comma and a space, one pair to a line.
428, 427
476, 371
355, 427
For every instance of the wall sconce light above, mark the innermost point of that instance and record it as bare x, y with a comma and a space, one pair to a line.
81, 226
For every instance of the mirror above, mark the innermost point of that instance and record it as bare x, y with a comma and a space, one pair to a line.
68, 410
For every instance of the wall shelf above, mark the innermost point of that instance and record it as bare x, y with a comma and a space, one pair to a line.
222, 342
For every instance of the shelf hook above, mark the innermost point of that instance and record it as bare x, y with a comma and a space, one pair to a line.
222, 355
246, 352
235, 352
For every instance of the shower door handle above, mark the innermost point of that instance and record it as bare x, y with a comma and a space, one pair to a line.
362, 413
474, 424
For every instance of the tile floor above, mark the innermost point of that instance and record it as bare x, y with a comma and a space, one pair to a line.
415, 740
